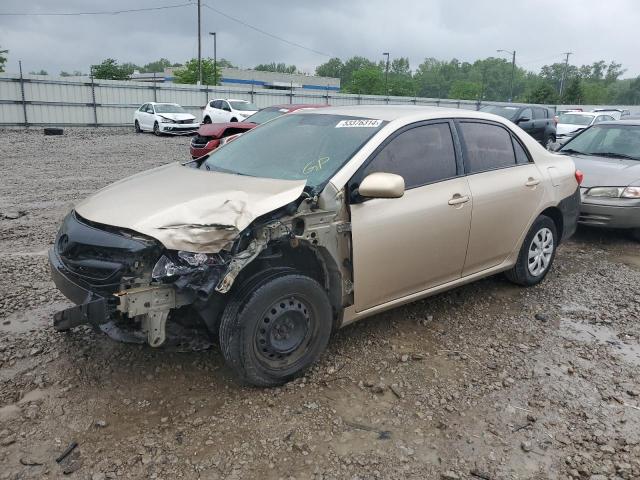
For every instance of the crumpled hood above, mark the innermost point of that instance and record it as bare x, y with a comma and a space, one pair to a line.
607, 172
566, 128
187, 208
177, 116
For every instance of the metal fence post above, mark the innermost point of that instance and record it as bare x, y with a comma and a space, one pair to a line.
252, 85
24, 102
291, 94
155, 95
93, 99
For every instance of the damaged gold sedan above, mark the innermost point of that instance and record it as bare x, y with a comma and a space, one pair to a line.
312, 221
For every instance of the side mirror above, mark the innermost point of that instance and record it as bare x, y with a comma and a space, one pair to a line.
522, 119
382, 185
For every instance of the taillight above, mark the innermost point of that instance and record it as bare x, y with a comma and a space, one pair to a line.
579, 176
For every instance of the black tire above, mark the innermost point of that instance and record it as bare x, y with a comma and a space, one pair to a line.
635, 233
156, 129
275, 327
136, 127
206, 120
549, 141
521, 273
53, 131
234, 119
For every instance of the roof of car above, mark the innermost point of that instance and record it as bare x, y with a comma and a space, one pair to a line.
394, 112
590, 114
233, 100
297, 106
626, 121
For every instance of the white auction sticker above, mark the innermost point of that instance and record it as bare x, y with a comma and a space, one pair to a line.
368, 123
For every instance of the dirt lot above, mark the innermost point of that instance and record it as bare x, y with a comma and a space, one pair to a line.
488, 381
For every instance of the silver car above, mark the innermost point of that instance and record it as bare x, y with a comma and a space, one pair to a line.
608, 154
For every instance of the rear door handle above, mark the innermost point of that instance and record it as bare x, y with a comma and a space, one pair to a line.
532, 182
458, 199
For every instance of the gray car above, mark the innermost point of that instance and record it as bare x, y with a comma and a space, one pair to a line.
608, 154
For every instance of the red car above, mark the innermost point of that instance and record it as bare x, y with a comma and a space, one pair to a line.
211, 135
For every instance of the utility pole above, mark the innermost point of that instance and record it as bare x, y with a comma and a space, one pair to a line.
199, 48
513, 71
564, 72
215, 60
386, 75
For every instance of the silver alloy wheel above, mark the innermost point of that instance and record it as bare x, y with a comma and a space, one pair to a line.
540, 252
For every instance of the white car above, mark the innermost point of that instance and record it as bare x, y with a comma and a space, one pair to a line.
616, 113
161, 118
570, 123
227, 110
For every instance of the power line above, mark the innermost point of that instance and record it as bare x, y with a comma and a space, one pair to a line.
110, 12
265, 32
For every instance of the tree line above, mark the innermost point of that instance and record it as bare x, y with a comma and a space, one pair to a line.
487, 79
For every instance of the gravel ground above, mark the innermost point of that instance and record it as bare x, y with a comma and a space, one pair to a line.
488, 381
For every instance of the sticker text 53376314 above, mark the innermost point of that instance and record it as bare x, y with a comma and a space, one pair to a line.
359, 123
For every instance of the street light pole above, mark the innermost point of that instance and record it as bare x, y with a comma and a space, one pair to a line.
199, 48
513, 71
386, 75
215, 59
564, 72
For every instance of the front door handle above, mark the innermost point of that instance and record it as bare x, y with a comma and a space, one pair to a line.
458, 199
532, 182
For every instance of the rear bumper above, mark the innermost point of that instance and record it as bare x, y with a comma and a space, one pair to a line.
570, 208
90, 308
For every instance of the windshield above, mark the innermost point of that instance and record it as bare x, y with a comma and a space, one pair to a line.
243, 106
607, 140
169, 108
575, 119
309, 147
266, 114
506, 112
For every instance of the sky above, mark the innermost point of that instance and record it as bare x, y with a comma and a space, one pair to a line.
539, 31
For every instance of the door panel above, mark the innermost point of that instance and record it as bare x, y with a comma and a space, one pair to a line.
503, 207
405, 245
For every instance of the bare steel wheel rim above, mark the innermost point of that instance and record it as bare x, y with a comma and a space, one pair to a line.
284, 332
540, 252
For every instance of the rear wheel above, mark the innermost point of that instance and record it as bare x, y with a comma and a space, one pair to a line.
156, 129
275, 327
549, 142
536, 254
136, 127
206, 120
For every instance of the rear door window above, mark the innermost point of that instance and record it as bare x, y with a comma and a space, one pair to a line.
421, 155
539, 113
486, 147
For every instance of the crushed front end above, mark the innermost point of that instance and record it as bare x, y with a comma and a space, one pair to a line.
123, 282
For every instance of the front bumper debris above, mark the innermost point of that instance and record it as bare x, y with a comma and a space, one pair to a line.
90, 309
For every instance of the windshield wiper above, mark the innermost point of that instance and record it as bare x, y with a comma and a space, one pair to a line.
571, 150
616, 155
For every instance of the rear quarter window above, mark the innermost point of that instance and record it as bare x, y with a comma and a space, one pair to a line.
486, 147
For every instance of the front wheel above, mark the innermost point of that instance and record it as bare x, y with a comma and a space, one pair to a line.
136, 127
274, 328
206, 120
536, 254
156, 129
